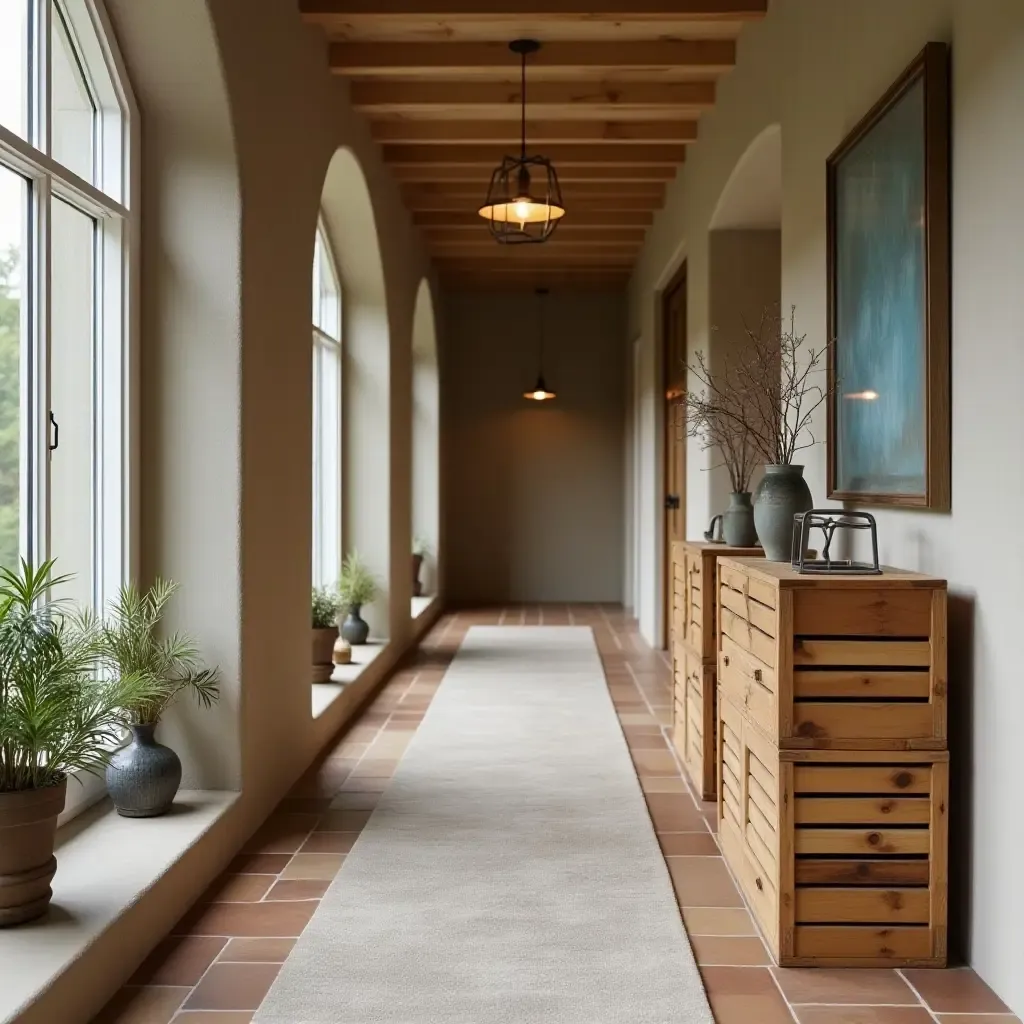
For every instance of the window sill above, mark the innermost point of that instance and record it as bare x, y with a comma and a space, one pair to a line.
325, 694
421, 605
104, 864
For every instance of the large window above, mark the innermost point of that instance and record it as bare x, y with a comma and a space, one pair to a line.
327, 359
64, 299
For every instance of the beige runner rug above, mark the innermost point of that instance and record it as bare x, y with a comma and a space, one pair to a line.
510, 873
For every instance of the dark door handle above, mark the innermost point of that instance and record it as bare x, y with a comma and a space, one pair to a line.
56, 433
671, 501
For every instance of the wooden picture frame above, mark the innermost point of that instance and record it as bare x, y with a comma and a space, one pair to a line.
889, 296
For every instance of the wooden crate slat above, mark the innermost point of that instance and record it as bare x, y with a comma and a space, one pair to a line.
862, 653
885, 871
870, 685
863, 722
862, 810
862, 778
866, 612
848, 841
861, 905
824, 942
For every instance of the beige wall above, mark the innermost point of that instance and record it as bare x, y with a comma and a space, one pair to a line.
533, 498
240, 121
813, 68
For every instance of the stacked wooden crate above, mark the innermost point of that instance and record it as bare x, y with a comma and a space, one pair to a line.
833, 761
695, 631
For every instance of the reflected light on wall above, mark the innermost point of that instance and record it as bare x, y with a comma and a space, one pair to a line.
862, 396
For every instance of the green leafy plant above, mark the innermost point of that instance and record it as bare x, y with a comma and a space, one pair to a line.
420, 547
58, 715
129, 646
325, 607
357, 586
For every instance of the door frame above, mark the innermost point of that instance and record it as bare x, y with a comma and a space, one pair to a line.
676, 283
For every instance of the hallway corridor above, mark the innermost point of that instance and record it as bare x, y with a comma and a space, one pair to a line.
218, 965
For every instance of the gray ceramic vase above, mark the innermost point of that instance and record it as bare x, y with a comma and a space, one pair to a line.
143, 777
738, 521
782, 493
355, 629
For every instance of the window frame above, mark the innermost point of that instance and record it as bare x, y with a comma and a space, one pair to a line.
111, 201
322, 451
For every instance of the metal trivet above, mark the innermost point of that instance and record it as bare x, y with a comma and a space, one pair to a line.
830, 520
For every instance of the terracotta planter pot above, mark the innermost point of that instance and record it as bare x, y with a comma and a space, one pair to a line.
28, 827
417, 584
323, 652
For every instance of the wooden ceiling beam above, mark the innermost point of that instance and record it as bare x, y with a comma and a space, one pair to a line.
554, 100
675, 58
560, 156
441, 234
592, 219
578, 207
473, 189
538, 10
566, 174
505, 133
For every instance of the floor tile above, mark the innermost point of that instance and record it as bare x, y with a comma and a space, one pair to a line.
238, 889
978, 1018
266, 951
233, 987
688, 844
283, 832
863, 1015
343, 821
150, 1005
663, 784
247, 919
674, 812
366, 785
355, 801
703, 882
314, 865
724, 951
329, 842
856, 986
959, 990
179, 961
655, 762
769, 1008
259, 863
718, 921
298, 889
213, 1017
379, 768
738, 981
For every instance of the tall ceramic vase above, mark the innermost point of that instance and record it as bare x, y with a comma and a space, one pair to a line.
143, 778
782, 493
738, 521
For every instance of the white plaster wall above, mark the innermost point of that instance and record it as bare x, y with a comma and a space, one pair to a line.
814, 68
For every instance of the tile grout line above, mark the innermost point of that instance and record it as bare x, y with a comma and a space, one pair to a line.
913, 988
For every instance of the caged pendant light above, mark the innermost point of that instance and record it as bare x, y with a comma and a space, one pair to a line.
524, 201
540, 392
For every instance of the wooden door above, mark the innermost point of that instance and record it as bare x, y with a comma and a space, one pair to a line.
674, 349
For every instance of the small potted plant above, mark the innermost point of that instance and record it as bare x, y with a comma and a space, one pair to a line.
356, 588
58, 716
420, 551
143, 778
325, 631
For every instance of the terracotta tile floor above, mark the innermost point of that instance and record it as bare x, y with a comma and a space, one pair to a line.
222, 957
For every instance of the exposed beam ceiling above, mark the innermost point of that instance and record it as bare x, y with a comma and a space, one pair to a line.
614, 97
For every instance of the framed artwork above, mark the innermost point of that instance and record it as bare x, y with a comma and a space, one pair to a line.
889, 296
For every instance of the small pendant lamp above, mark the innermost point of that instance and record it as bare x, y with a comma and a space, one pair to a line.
540, 392
524, 201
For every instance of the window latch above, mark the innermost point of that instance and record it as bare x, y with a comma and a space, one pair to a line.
56, 433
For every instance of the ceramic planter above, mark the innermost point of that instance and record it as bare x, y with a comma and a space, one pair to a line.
323, 653
417, 583
782, 493
342, 653
28, 827
354, 629
738, 521
143, 778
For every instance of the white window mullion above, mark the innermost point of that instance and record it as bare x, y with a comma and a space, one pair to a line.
42, 435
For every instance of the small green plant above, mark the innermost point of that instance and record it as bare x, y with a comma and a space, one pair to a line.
325, 607
420, 547
128, 645
58, 715
357, 586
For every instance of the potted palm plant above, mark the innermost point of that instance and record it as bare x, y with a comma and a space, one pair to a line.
143, 778
356, 588
325, 631
58, 716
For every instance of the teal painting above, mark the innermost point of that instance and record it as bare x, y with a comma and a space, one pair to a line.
881, 286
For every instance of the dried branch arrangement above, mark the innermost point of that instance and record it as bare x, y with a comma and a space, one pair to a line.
763, 401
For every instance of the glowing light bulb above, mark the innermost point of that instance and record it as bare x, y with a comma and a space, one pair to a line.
539, 396
522, 210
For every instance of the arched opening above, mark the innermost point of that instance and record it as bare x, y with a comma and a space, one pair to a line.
350, 226
744, 267
425, 450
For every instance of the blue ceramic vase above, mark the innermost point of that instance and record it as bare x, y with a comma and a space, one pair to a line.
355, 629
143, 778
780, 495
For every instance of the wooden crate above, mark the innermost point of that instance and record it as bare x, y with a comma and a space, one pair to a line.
841, 855
695, 585
839, 662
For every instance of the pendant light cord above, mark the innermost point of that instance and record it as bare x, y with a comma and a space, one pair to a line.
540, 332
523, 96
